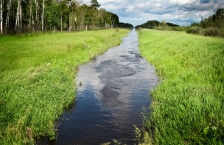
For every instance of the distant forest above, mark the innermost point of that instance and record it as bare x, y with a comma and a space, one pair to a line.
19, 16
211, 26
125, 25
152, 24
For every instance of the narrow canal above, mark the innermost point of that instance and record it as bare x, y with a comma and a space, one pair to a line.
111, 92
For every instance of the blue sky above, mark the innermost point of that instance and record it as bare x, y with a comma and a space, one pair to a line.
182, 12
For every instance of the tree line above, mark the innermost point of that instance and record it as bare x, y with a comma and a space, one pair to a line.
154, 24
19, 16
211, 26
125, 25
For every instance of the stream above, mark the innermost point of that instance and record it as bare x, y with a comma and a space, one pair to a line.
111, 93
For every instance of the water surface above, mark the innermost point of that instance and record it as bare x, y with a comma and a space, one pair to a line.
111, 92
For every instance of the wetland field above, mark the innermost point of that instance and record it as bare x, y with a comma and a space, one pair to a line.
187, 105
37, 73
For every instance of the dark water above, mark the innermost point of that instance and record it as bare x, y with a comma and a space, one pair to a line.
113, 90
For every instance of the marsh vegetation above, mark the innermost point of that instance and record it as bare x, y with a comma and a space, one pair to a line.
37, 75
187, 105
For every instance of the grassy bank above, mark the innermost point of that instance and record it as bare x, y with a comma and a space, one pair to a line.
188, 103
37, 75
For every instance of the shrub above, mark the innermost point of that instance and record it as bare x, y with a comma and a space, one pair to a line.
140, 29
194, 30
213, 32
179, 28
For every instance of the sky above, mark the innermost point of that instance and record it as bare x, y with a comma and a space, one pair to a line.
181, 12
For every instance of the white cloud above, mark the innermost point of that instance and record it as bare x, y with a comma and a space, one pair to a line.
129, 8
183, 2
181, 12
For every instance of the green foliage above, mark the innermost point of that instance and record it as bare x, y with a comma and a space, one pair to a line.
37, 75
163, 24
187, 106
52, 14
125, 25
149, 24
171, 24
194, 30
65, 14
212, 31
211, 26
154, 24
180, 28
95, 4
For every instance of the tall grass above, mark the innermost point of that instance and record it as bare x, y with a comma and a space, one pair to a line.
188, 104
37, 75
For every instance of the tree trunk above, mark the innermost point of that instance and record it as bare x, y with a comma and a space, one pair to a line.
18, 24
82, 20
18, 15
61, 23
1, 19
112, 22
43, 18
37, 19
31, 22
69, 23
8, 14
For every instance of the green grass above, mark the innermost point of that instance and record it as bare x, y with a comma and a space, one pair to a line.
37, 75
188, 104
